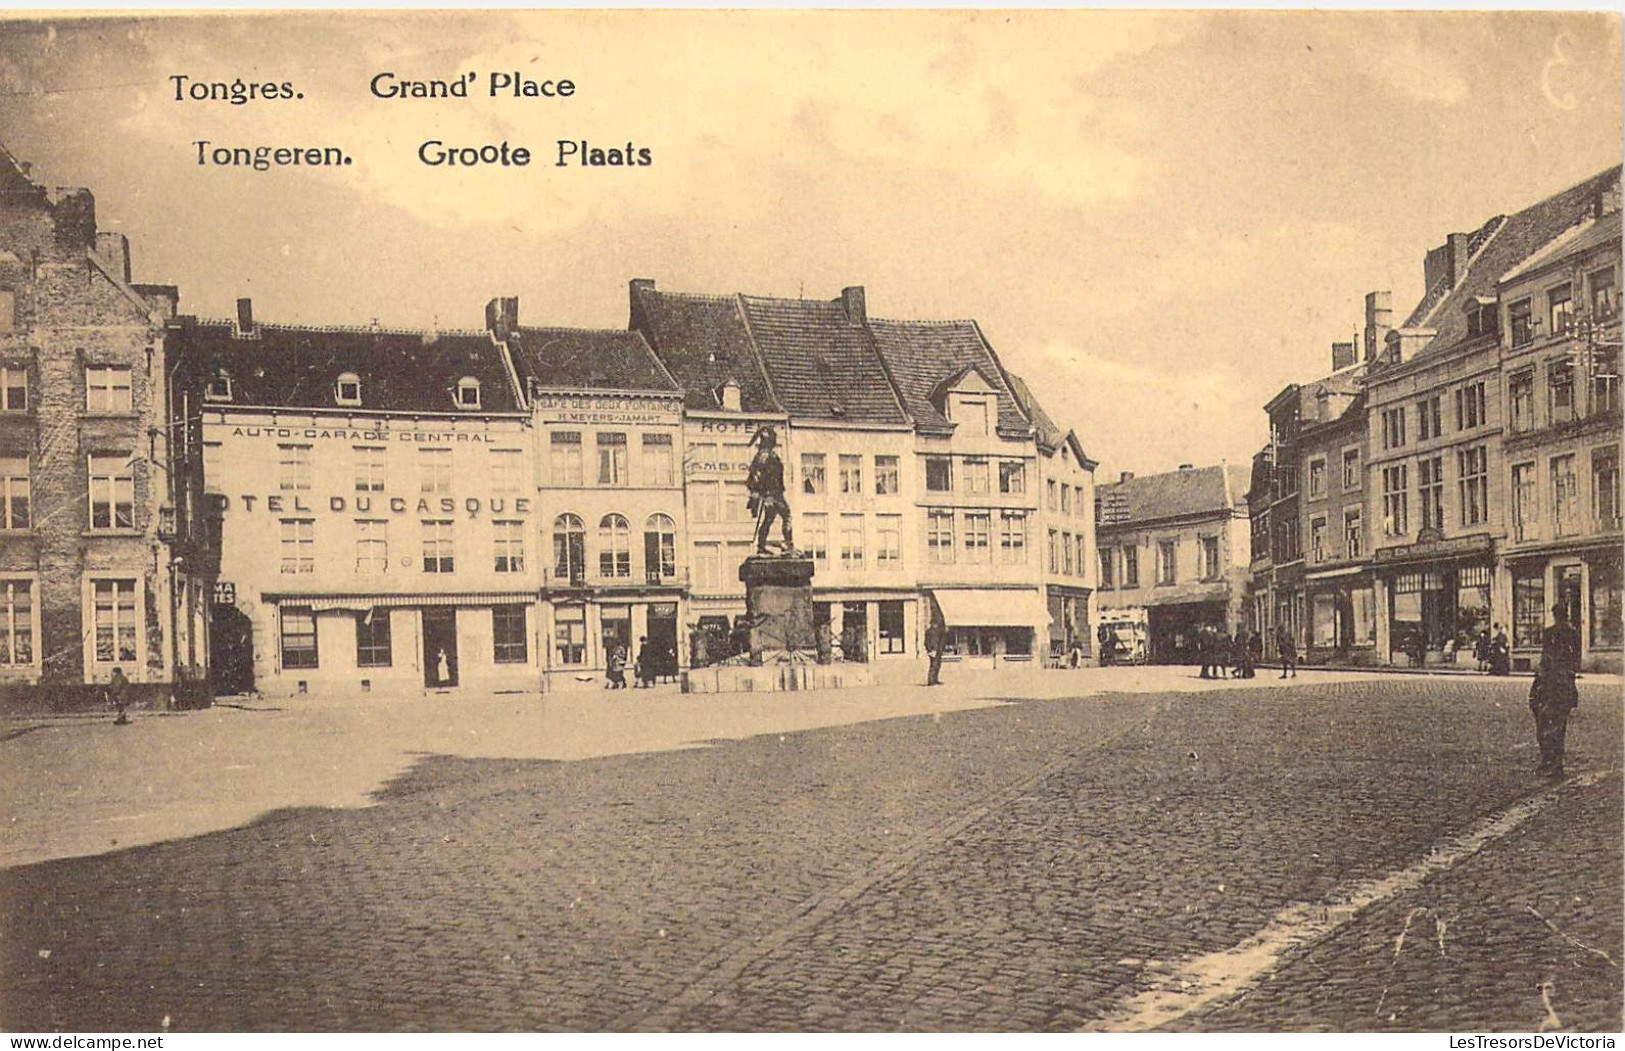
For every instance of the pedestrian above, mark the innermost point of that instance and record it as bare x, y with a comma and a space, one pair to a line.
1075, 655
1103, 634
642, 676
615, 670
1481, 649
118, 695
935, 640
1204, 651
1553, 695
1244, 654
1255, 653
1287, 648
1500, 653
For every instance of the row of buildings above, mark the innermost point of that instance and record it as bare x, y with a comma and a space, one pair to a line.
254, 506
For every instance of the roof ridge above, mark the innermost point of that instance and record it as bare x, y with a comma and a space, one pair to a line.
217, 322
923, 322
580, 328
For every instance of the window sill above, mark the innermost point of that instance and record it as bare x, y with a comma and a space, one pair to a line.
89, 414
90, 533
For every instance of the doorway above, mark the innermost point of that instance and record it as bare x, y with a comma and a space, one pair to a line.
439, 646
662, 637
231, 650
1569, 589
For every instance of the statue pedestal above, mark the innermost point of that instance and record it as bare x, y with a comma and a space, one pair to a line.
778, 601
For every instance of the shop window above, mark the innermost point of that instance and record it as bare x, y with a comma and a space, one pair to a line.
1472, 603
16, 623
1606, 623
16, 502
373, 645
892, 639
1528, 608
1325, 621
509, 639
298, 637
570, 635
1363, 608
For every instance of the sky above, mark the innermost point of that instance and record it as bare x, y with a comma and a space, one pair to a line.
1158, 218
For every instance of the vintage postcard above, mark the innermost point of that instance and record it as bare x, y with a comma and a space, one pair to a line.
791, 521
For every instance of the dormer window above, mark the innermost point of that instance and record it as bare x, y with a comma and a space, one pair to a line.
468, 393
347, 389
219, 388
970, 414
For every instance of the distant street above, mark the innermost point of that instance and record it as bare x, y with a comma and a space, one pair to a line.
871, 860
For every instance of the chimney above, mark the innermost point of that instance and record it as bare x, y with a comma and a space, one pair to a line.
245, 316
1126, 476
852, 302
1342, 355
728, 395
1446, 263
1187, 467
502, 318
114, 252
1379, 321
641, 284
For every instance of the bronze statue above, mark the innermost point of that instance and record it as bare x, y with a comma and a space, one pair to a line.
766, 485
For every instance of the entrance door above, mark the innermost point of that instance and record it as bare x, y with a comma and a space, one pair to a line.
231, 650
855, 631
1568, 594
662, 639
439, 646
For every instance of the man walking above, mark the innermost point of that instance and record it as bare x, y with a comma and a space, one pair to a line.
1103, 634
1287, 648
1553, 695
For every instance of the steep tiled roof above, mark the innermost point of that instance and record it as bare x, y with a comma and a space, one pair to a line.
1049, 432
601, 359
287, 366
821, 365
1174, 494
703, 341
1503, 245
922, 355
1575, 240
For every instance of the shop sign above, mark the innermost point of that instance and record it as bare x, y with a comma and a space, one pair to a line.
471, 507
370, 433
225, 593
622, 409
1431, 550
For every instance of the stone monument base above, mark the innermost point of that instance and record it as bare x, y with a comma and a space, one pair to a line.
779, 607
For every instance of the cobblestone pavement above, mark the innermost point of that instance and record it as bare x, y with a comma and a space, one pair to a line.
1023, 867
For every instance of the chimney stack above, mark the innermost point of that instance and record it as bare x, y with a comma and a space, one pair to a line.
1379, 321
1126, 476
114, 252
852, 302
502, 318
1446, 263
728, 395
1342, 355
1187, 467
245, 316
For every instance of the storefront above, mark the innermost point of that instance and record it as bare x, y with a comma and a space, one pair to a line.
1069, 621
1342, 616
1586, 581
990, 626
1439, 598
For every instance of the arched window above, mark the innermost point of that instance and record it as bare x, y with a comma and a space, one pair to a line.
614, 547
347, 389
468, 393
219, 388
569, 549
659, 548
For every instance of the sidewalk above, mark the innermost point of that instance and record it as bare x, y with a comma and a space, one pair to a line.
78, 785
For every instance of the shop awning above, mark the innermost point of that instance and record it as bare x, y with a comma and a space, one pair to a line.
318, 603
991, 608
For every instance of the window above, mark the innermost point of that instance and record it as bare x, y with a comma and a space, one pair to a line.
851, 474
112, 492
1054, 551
1606, 627
1131, 566
509, 541
298, 545
1521, 400
1470, 406
1604, 380
16, 623
468, 393
434, 470
659, 548
1317, 478
1167, 568
371, 546
1428, 421
1317, 539
347, 389
115, 621
570, 634
293, 468
437, 547
569, 548
888, 481
939, 475
1067, 565
509, 640
1351, 469
1525, 502
369, 468
1395, 510
977, 477
851, 541
1604, 294
107, 388
505, 467
939, 536
1605, 487
8, 310
1473, 486
659, 465
1519, 317
15, 500
1050, 498
812, 474
1565, 496
1353, 533
1106, 567
1077, 542
707, 566
1066, 499
1013, 538
1560, 308
978, 539
1560, 392
564, 464
219, 387
817, 536
704, 499
735, 502
611, 458
13, 388
614, 547
1211, 566
372, 639
1528, 608
971, 415
892, 639
1430, 491
889, 541
1393, 428
1012, 476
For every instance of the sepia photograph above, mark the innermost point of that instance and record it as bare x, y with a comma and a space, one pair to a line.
811, 522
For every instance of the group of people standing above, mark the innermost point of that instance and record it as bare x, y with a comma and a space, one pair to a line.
646, 668
1223, 655
1493, 652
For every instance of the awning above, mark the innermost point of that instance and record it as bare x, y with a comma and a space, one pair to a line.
991, 608
318, 603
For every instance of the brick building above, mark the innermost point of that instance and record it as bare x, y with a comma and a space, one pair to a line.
103, 561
